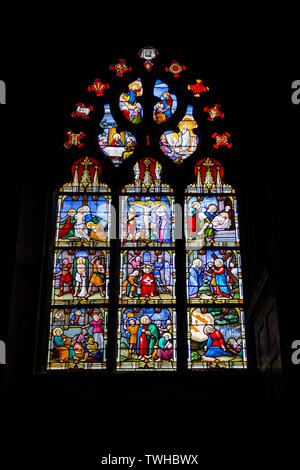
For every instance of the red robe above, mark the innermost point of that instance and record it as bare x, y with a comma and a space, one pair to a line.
143, 345
192, 224
116, 143
148, 286
217, 339
66, 228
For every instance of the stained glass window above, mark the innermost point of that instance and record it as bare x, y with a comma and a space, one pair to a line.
147, 323
216, 330
81, 260
146, 122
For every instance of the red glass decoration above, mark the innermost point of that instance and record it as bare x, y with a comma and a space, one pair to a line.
98, 87
82, 111
120, 68
213, 112
198, 88
222, 140
74, 139
175, 68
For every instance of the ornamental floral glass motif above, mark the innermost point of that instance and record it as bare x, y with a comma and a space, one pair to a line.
214, 285
81, 299
81, 258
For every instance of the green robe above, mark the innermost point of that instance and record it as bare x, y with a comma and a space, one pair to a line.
154, 336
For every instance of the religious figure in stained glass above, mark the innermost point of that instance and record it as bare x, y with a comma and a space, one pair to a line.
147, 219
214, 276
117, 145
147, 338
210, 220
80, 276
179, 146
78, 327
128, 102
77, 338
166, 107
147, 276
216, 337
216, 334
83, 220
147, 334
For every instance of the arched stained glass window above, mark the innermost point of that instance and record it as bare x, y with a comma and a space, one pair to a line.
216, 330
81, 259
153, 132
147, 317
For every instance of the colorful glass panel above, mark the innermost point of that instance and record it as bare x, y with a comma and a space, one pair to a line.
82, 111
129, 105
147, 178
216, 338
77, 338
85, 177
80, 276
166, 107
148, 53
147, 220
214, 276
215, 316
179, 146
117, 145
80, 273
83, 220
81, 256
147, 339
210, 220
209, 173
147, 325
147, 276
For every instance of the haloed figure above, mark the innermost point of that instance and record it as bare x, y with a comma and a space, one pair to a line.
215, 346
98, 277
65, 276
80, 278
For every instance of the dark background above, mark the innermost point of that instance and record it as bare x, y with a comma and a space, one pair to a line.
167, 413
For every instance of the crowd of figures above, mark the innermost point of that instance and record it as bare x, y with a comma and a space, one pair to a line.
147, 275
80, 276
81, 224
146, 336
218, 278
77, 337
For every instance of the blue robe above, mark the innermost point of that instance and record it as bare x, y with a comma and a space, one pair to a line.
214, 351
59, 342
195, 281
165, 235
168, 110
